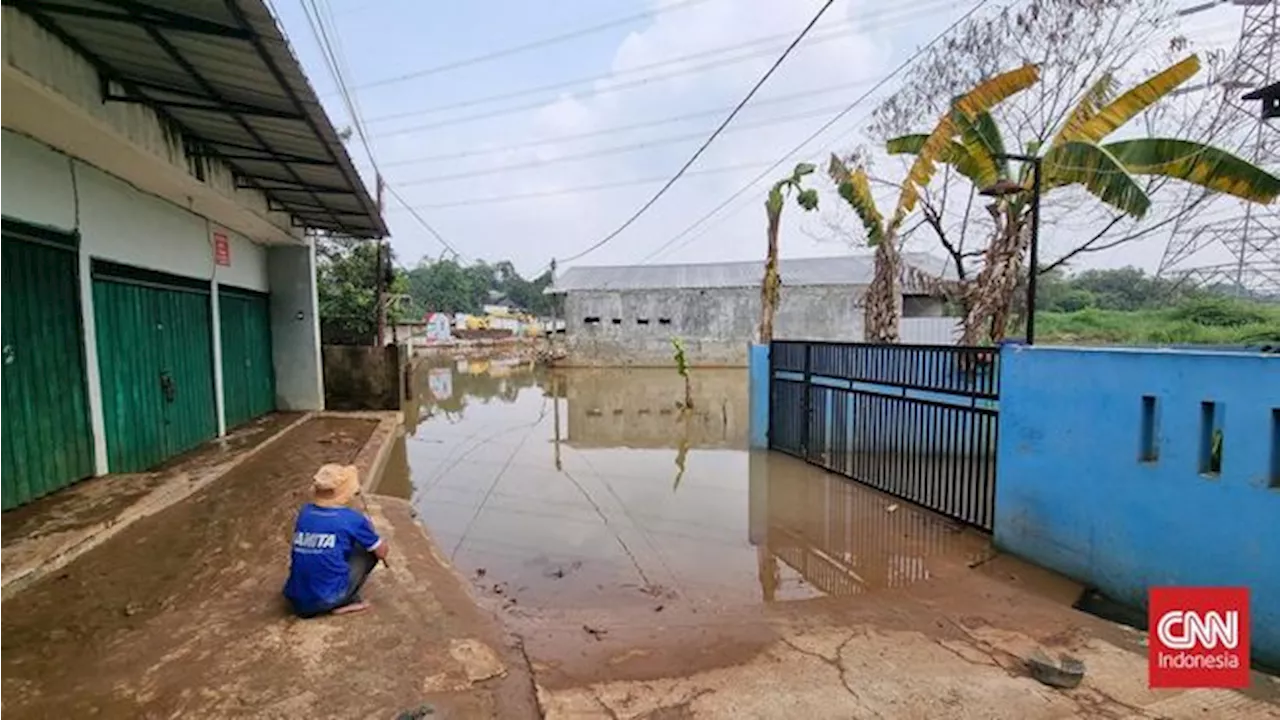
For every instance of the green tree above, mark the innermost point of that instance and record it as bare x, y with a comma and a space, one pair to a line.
1077, 155
347, 288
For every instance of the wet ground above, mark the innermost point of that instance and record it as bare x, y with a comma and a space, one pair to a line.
591, 488
651, 566
180, 614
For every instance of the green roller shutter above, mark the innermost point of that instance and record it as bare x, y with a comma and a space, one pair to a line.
248, 380
155, 356
47, 437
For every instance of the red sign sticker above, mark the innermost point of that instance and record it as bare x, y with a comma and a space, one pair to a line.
1199, 637
221, 249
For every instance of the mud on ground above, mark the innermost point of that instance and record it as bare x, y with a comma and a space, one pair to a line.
180, 615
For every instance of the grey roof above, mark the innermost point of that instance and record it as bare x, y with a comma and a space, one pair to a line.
222, 73
795, 272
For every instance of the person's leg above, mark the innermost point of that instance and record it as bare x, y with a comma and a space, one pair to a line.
360, 564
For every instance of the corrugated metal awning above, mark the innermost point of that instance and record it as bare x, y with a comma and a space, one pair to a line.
223, 74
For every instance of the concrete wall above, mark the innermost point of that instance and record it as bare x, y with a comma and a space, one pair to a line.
295, 328
364, 377
1079, 493
715, 324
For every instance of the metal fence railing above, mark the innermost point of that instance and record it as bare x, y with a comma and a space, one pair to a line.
918, 422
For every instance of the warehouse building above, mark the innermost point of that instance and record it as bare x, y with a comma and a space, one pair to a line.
163, 164
628, 315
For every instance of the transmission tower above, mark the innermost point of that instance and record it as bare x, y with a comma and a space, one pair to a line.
1226, 241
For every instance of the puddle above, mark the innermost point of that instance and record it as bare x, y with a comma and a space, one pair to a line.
593, 488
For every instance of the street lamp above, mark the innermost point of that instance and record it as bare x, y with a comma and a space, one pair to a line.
1005, 187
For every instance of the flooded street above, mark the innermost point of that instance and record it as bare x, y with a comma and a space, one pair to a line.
579, 489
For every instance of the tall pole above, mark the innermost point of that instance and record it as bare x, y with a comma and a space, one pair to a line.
1035, 251
381, 303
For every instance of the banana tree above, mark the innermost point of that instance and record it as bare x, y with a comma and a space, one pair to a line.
806, 198
1077, 155
880, 304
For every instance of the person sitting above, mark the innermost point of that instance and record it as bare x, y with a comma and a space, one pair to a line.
334, 548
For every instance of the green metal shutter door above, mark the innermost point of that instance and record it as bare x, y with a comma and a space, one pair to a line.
190, 415
248, 379
155, 357
47, 437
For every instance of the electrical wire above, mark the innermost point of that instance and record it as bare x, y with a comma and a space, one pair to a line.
534, 45
509, 197
615, 150
816, 133
334, 64
716, 133
594, 92
617, 129
773, 42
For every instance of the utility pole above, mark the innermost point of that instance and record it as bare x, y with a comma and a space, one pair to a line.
380, 304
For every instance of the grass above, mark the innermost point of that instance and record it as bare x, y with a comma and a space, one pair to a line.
1201, 322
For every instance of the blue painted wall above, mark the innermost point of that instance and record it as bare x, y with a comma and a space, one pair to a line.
758, 397
1074, 495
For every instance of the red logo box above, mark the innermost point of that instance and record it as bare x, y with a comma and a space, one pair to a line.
1199, 637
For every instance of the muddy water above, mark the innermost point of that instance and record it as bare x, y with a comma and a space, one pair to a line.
593, 488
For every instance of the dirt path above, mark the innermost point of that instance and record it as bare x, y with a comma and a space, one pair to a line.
180, 615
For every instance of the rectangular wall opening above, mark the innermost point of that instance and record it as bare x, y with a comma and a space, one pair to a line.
1274, 480
1211, 438
642, 321
1149, 438
617, 321
591, 320
664, 321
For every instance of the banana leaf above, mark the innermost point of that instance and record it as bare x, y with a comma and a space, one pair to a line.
1099, 171
1094, 99
1204, 165
1124, 108
855, 187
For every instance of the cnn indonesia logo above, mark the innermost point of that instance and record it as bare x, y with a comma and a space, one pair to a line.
1199, 637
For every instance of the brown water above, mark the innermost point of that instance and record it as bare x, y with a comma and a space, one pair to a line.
592, 488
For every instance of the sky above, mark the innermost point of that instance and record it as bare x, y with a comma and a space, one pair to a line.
539, 154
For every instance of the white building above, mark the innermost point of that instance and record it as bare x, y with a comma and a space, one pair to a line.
162, 161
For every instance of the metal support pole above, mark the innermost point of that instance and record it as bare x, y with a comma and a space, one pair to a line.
806, 408
1034, 269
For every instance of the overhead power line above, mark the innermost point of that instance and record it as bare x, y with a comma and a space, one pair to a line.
716, 133
906, 19
815, 134
616, 150
617, 129
526, 47
334, 62
773, 43
517, 197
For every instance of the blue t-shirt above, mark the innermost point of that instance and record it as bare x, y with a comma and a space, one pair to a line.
322, 541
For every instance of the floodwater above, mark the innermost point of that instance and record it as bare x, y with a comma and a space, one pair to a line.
591, 488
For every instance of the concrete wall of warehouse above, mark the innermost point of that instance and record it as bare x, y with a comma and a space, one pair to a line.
1106, 472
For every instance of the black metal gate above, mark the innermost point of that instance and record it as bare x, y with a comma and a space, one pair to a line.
915, 421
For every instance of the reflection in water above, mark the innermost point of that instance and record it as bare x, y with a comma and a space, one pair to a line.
563, 493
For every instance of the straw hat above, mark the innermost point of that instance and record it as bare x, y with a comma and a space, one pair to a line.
335, 485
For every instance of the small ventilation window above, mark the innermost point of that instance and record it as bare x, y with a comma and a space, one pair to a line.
617, 321
1149, 442
642, 321
1211, 438
664, 321
591, 320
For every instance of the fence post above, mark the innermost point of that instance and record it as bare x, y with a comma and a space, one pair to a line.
806, 419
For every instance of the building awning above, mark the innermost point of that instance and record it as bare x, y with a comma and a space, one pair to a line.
222, 73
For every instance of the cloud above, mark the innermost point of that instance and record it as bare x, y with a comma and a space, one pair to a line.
531, 232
